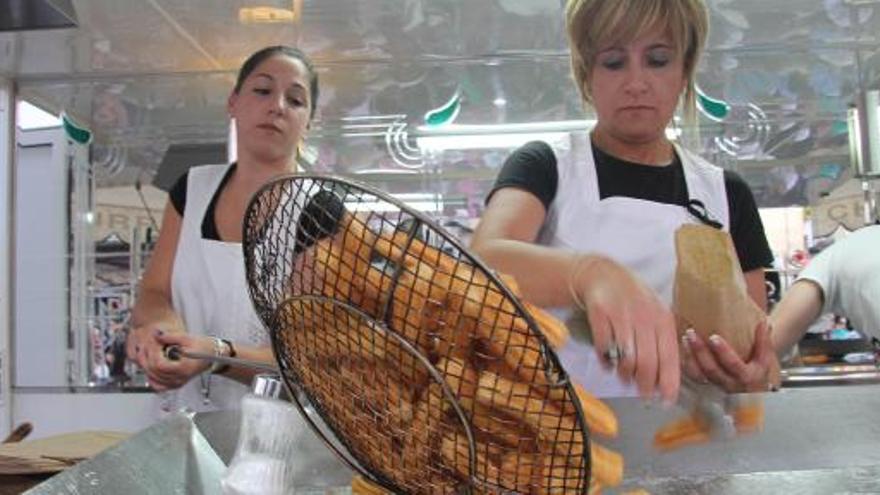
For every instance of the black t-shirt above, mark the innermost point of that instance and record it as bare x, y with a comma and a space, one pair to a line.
532, 168
177, 195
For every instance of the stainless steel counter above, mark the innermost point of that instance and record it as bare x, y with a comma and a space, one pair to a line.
841, 481
815, 440
171, 457
831, 374
185, 454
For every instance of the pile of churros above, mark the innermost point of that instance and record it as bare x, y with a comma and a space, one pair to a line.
432, 376
711, 298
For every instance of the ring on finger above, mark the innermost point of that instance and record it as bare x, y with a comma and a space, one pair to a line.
614, 354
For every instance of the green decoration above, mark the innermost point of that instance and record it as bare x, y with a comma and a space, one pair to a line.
715, 109
446, 113
75, 132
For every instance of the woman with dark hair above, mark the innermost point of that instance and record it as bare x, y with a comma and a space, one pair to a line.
193, 293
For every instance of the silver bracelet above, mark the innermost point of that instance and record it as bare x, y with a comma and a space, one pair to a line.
221, 349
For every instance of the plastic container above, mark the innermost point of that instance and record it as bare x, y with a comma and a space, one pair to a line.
263, 460
277, 452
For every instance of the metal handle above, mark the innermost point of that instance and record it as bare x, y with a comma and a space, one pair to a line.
267, 385
174, 353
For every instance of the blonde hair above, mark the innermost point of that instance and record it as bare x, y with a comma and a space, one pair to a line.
591, 24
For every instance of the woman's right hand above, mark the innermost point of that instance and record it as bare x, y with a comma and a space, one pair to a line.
628, 319
174, 373
144, 348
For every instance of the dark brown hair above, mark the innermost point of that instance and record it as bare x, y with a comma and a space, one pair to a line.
259, 56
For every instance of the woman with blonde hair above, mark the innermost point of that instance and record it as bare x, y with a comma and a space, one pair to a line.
592, 228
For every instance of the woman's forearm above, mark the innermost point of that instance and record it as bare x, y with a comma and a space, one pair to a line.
153, 307
245, 374
544, 274
799, 307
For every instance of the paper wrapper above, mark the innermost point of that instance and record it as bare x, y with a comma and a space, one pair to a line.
57, 453
710, 290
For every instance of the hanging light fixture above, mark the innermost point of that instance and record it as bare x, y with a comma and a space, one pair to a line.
264, 14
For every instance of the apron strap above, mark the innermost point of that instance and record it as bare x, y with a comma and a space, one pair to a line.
698, 210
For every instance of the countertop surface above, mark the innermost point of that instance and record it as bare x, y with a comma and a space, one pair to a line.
818, 440
823, 440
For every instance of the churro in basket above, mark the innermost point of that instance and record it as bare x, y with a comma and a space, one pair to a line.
428, 373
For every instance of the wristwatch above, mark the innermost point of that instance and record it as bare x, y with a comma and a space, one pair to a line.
222, 348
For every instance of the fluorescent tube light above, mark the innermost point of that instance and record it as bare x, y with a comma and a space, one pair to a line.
485, 141
463, 136
426, 202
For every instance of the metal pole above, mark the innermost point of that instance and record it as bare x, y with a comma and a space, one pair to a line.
872, 207
7, 243
865, 148
868, 158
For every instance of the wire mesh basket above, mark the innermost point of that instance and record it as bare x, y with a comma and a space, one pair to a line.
426, 371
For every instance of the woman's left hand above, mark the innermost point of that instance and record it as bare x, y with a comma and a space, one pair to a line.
170, 374
715, 361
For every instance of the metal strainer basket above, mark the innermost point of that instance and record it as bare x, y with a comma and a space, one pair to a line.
428, 374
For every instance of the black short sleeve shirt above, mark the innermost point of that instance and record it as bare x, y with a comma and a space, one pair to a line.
532, 167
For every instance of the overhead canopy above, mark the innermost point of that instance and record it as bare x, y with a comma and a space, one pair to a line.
146, 74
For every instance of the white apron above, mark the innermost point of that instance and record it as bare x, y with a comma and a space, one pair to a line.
637, 233
209, 292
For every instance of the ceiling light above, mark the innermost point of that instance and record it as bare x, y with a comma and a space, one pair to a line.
465, 136
385, 171
426, 202
266, 15
522, 127
486, 141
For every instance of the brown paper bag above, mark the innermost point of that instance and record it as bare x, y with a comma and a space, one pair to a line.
56, 453
710, 290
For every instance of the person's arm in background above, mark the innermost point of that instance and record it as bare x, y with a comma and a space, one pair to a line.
807, 298
800, 306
